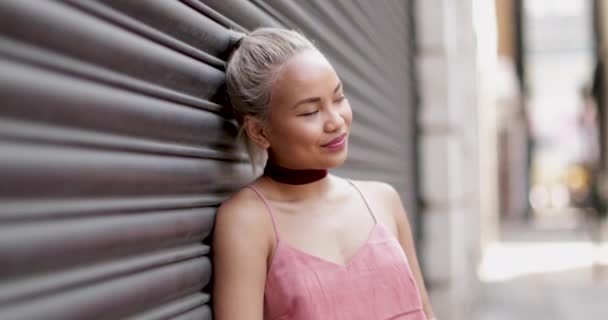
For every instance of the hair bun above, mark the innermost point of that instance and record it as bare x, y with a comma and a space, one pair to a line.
235, 42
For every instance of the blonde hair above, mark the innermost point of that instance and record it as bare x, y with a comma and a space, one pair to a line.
251, 70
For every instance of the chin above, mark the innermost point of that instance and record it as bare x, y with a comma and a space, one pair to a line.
335, 160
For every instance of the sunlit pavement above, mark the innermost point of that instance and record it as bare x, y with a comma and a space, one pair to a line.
544, 273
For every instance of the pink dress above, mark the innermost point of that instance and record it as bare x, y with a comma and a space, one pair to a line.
376, 284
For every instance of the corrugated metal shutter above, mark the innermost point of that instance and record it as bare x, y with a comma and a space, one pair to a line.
115, 149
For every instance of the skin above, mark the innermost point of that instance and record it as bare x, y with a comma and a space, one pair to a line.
323, 218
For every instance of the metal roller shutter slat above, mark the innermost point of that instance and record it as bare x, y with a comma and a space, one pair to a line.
57, 244
202, 313
15, 209
31, 287
174, 308
114, 48
119, 297
216, 16
39, 170
68, 102
43, 58
149, 32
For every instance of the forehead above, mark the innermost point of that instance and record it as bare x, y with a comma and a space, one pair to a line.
306, 73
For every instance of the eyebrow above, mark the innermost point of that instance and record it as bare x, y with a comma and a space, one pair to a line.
315, 99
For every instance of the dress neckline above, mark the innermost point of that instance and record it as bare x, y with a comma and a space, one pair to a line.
347, 265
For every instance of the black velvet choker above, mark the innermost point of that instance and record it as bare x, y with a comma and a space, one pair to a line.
293, 176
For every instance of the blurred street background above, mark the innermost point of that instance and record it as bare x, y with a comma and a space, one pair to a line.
547, 258
543, 272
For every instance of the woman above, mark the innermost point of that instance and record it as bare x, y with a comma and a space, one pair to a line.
299, 243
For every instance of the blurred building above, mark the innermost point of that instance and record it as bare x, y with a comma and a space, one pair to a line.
514, 141
599, 86
459, 187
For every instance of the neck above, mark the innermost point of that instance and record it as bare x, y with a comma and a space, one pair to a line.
292, 176
299, 192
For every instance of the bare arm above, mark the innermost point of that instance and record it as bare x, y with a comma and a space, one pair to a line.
240, 251
407, 243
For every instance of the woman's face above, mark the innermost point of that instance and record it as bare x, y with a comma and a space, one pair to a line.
310, 118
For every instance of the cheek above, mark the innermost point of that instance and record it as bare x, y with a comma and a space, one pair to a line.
308, 133
297, 133
347, 114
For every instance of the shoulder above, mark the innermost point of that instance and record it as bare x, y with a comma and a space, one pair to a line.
383, 199
242, 219
244, 211
377, 190
244, 207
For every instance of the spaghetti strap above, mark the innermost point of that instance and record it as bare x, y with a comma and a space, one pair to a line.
364, 200
274, 222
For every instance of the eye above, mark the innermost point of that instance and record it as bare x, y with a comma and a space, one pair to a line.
308, 114
340, 99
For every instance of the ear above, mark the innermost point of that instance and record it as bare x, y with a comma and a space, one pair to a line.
256, 130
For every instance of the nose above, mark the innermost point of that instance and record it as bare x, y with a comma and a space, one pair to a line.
334, 121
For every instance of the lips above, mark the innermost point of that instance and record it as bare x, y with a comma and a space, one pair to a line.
336, 142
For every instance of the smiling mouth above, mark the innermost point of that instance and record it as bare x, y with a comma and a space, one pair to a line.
336, 142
